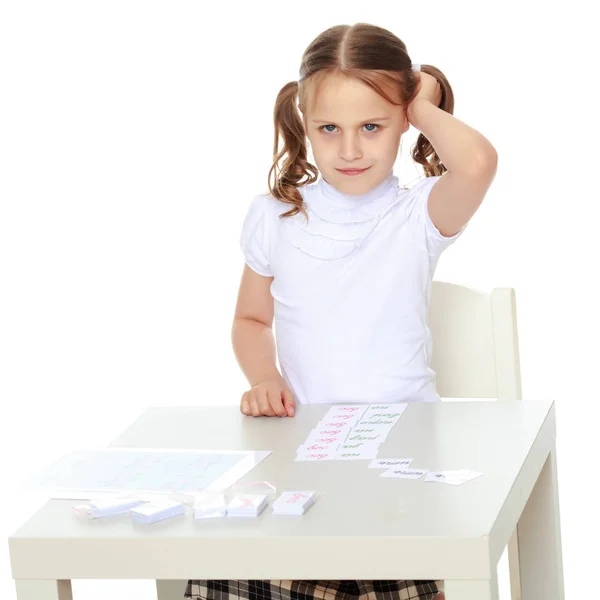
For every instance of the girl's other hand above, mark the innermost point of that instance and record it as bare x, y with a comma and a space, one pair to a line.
428, 88
270, 398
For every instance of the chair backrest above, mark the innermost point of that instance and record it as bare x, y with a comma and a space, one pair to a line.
475, 349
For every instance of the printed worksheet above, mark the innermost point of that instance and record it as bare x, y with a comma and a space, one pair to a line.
87, 473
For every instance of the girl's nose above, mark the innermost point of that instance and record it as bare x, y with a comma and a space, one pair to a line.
350, 149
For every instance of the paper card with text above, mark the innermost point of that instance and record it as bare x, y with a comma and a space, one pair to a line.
385, 416
317, 447
357, 436
327, 436
320, 443
330, 431
385, 410
347, 409
404, 473
364, 453
336, 423
344, 414
377, 421
390, 463
358, 445
340, 420
357, 450
371, 429
316, 456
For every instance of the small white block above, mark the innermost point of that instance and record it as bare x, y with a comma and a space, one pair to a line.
157, 511
107, 506
294, 503
247, 505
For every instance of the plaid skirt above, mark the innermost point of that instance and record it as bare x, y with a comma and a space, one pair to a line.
285, 589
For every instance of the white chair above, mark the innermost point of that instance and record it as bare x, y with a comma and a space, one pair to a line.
475, 354
475, 342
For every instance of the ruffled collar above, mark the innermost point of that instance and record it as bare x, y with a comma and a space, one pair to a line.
328, 203
333, 197
339, 223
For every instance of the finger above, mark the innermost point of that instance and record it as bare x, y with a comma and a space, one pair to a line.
263, 403
254, 408
244, 406
276, 401
289, 402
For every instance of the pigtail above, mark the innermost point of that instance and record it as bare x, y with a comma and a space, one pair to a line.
423, 152
290, 127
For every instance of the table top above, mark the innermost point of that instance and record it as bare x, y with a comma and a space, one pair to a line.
358, 515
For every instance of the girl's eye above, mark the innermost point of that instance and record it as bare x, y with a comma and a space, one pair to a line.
366, 125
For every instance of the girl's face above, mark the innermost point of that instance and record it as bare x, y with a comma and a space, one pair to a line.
350, 126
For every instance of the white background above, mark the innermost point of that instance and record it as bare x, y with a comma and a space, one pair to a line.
134, 135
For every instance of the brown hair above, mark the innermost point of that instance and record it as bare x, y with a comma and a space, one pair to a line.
374, 56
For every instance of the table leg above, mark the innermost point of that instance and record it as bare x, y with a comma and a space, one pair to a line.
472, 589
170, 589
539, 538
513, 566
44, 589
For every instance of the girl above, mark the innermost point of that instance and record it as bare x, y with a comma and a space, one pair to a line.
343, 264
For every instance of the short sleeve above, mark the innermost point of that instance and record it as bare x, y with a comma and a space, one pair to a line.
254, 238
419, 215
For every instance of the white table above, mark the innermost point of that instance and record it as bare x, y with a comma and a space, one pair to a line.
363, 527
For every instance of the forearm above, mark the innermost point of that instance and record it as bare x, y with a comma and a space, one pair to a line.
254, 348
460, 147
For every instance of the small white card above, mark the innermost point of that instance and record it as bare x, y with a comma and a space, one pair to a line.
388, 422
370, 429
325, 455
316, 447
348, 409
335, 431
326, 438
404, 473
335, 423
357, 446
398, 407
367, 454
390, 463
357, 436
452, 477
158, 506
357, 451
345, 414
385, 411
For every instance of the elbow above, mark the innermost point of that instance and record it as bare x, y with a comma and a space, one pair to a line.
488, 159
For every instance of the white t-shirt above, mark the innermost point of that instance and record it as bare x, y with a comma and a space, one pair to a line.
351, 290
